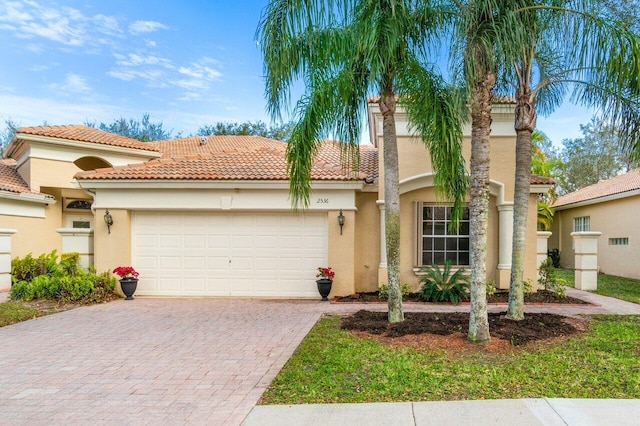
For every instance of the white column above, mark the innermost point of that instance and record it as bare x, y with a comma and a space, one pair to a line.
541, 250
5, 258
78, 240
586, 252
505, 234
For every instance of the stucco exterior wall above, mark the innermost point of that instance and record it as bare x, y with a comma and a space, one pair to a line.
615, 219
111, 250
367, 242
36, 235
51, 173
530, 255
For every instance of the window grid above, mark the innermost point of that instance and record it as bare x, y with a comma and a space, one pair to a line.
618, 241
437, 243
582, 224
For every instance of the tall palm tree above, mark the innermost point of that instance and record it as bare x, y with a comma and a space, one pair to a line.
345, 51
557, 46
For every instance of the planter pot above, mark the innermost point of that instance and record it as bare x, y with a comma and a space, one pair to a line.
129, 286
324, 287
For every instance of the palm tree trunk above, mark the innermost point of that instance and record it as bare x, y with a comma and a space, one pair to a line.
479, 206
391, 202
524, 126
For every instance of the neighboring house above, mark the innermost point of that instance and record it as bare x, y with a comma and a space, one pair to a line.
211, 216
610, 207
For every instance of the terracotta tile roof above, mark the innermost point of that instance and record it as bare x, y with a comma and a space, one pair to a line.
236, 158
86, 134
10, 180
540, 180
616, 185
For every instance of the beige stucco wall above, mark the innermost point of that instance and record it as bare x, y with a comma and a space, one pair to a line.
615, 219
51, 173
367, 242
35, 235
111, 250
342, 252
530, 255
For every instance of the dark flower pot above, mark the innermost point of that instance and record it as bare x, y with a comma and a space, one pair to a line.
129, 286
324, 287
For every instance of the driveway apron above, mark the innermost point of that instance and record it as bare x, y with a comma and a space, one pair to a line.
148, 361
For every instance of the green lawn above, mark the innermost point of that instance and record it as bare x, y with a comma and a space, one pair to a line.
331, 365
13, 312
609, 285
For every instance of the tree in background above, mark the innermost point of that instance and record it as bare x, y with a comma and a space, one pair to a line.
344, 52
548, 166
553, 47
596, 156
257, 128
143, 130
7, 133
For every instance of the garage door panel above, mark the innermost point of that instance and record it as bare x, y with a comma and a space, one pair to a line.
229, 254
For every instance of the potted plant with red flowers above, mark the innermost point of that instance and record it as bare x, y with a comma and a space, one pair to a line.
324, 281
128, 280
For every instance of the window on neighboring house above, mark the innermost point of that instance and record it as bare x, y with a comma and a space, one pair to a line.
618, 241
582, 224
436, 243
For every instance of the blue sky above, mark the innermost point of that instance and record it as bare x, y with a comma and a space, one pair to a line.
186, 63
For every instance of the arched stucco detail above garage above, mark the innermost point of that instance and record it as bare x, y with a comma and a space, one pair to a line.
91, 163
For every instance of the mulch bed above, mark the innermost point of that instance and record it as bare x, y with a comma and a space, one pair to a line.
448, 330
541, 296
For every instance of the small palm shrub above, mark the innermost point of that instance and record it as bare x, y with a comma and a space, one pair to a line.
440, 285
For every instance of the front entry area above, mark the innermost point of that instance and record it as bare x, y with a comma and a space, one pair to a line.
228, 254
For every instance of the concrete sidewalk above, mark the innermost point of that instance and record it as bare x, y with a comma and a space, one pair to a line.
521, 412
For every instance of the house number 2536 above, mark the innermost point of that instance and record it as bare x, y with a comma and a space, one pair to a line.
322, 201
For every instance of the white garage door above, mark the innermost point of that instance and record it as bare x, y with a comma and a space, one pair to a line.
229, 254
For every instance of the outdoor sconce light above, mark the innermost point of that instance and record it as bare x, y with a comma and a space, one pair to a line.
108, 219
341, 220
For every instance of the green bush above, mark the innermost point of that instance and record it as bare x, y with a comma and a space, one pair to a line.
548, 279
43, 278
443, 286
383, 292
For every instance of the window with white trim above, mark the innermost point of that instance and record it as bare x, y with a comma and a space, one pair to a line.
436, 242
618, 241
582, 224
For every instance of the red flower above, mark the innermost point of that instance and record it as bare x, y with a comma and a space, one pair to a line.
325, 273
126, 272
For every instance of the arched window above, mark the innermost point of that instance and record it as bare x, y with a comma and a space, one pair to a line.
78, 205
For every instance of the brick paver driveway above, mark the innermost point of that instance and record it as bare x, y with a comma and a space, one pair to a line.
148, 361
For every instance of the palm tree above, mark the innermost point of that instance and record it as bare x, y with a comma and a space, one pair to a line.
345, 51
555, 46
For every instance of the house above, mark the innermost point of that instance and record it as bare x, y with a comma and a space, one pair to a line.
211, 216
609, 207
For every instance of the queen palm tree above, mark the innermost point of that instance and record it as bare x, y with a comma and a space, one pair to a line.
346, 51
555, 47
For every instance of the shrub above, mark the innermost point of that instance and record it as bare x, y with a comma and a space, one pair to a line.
491, 287
548, 279
63, 281
28, 268
383, 292
443, 286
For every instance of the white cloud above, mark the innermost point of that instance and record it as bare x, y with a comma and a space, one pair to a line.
134, 59
73, 84
129, 74
139, 27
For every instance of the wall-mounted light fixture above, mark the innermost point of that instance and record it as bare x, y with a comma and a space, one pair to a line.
341, 220
108, 220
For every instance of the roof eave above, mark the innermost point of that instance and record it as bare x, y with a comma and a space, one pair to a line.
83, 144
598, 200
28, 197
212, 184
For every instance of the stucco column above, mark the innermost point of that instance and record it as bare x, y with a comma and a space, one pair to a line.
541, 250
382, 267
505, 233
586, 260
342, 252
78, 240
5, 258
